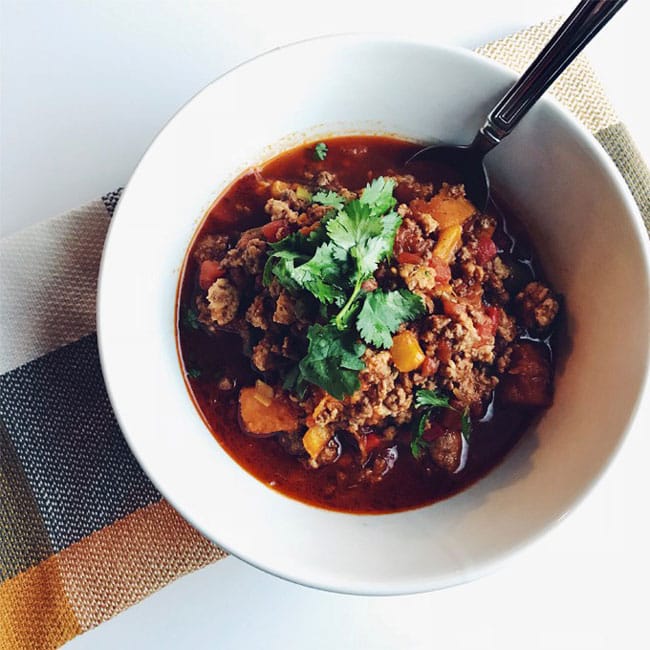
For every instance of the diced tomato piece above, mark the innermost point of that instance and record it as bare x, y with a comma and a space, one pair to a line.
494, 314
429, 367
409, 258
372, 442
444, 351
451, 307
209, 272
443, 272
434, 430
488, 327
486, 249
270, 230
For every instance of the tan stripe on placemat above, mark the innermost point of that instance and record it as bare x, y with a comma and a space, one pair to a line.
48, 282
618, 143
119, 565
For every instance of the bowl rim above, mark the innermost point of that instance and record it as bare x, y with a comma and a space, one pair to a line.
484, 566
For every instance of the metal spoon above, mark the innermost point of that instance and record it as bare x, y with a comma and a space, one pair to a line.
587, 19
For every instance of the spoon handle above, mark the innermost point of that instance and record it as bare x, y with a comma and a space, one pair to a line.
587, 19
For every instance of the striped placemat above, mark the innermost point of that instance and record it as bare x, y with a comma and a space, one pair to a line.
83, 532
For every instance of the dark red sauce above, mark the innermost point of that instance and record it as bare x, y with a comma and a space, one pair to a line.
410, 483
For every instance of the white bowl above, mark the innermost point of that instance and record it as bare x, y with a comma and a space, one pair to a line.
550, 170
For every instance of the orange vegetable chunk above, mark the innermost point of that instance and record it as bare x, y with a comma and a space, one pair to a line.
260, 419
406, 352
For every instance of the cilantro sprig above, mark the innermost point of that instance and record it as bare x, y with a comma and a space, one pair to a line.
383, 312
332, 263
426, 401
320, 151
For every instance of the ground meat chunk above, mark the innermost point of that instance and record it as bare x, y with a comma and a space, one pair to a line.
418, 277
384, 393
257, 314
255, 256
496, 272
326, 179
263, 358
211, 247
507, 327
468, 383
537, 305
278, 209
411, 239
285, 309
223, 301
249, 256
446, 450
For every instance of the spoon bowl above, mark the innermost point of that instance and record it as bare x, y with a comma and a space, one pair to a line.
459, 164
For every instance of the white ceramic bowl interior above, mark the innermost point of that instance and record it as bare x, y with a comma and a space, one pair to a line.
550, 170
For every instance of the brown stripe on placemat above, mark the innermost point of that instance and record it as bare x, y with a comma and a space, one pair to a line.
123, 563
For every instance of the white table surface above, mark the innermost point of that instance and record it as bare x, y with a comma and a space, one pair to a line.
86, 85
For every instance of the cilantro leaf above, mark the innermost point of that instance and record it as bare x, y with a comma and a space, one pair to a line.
466, 425
418, 444
193, 373
325, 274
430, 398
329, 198
284, 254
368, 254
333, 360
295, 382
378, 195
320, 151
383, 312
353, 225
389, 226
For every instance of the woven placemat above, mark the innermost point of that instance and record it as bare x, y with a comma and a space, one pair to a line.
83, 532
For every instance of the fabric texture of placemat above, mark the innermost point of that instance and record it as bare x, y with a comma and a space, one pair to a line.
83, 532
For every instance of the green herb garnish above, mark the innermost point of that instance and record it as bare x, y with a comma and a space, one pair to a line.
320, 151
384, 311
331, 264
327, 197
430, 398
333, 360
418, 444
190, 318
427, 400
466, 425
193, 373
